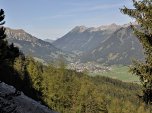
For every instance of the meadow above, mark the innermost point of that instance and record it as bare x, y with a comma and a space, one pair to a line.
119, 72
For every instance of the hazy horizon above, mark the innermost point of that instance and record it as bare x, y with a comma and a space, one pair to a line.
51, 19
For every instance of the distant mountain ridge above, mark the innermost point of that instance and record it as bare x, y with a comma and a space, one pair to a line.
31, 45
120, 48
111, 44
82, 39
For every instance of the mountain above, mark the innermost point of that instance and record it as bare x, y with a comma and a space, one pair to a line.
82, 39
12, 101
38, 48
111, 44
120, 48
49, 40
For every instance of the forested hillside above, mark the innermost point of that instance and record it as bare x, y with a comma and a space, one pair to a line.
68, 91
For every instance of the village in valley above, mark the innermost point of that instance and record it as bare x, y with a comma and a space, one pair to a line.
90, 67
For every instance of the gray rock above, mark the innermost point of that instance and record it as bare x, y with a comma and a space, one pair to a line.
10, 102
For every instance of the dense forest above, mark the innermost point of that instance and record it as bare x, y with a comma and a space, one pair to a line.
68, 91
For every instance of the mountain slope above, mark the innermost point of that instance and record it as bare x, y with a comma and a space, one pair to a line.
31, 45
111, 44
82, 39
119, 48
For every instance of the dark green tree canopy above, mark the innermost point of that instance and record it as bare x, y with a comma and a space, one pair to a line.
142, 13
7, 52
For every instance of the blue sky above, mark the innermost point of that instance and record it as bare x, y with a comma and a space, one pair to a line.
54, 18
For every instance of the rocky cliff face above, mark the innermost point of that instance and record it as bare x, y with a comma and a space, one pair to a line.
12, 101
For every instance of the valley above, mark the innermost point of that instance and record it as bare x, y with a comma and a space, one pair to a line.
108, 45
103, 51
118, 72
76, 56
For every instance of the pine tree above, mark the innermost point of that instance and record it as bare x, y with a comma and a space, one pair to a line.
8, 53
2, 37
142, 13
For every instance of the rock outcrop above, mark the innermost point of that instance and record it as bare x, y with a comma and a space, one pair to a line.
13, 101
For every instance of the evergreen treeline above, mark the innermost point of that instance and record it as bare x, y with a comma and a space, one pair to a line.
8, 58
68, 91
142, 13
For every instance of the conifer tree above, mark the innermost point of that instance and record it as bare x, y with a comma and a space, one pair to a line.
142, 13
2, 37
8, 53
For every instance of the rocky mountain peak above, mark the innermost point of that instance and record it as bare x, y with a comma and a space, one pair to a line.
111, 26
79, 29
95, 29
20, 35
15, 30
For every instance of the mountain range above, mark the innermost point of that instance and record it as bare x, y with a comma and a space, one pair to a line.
82, 39
111, 44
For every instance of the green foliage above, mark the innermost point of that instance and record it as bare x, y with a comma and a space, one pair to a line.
8, 53
142, 13
67, 91
13, 65
35, 71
